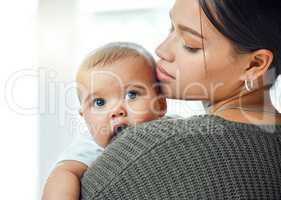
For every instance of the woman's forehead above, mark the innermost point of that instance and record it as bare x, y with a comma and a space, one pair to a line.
186, 12
189, 13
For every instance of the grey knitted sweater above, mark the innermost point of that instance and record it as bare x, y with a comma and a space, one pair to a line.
202, 157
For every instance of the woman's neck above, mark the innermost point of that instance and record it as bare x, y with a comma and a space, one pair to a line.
253, 107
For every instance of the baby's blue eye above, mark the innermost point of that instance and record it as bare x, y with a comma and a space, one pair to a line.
99, 102
131, 95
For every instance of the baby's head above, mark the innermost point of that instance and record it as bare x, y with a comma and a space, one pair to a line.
117, 87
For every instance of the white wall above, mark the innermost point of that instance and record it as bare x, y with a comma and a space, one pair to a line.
18, 100
56, 57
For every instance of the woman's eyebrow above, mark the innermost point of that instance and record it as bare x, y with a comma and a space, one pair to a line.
187, 29
190, 30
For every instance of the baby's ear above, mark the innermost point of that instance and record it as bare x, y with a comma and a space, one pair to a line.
162, 106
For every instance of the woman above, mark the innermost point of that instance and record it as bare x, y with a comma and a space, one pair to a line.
212, 58
227, 54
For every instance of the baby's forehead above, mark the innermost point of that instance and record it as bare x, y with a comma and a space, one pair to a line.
134, 66
131, 61
128, 70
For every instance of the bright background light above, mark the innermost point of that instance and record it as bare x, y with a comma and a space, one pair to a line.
19, 132
42, 44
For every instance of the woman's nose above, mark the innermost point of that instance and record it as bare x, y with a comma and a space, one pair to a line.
165, 50
120, 112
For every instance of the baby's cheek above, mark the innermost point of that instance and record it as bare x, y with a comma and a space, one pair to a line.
141, 107
99, 127
101, 134
136, 110
146, 118
142, 113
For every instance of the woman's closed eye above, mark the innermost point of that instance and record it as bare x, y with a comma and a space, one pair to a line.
186, 47
191, 49
99, 102
131, 95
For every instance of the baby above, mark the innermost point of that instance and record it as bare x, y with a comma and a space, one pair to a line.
117, 88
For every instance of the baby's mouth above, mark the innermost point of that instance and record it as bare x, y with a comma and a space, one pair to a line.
117, 129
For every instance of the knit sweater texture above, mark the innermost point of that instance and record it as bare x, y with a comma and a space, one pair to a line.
202, 157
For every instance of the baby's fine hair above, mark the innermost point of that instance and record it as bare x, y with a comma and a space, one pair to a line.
116, 51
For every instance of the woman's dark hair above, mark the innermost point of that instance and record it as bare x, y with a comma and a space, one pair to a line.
249, 24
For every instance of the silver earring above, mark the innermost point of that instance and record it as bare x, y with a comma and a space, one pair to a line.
249, 87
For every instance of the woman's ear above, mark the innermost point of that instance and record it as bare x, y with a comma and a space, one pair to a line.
162, 103
260, 61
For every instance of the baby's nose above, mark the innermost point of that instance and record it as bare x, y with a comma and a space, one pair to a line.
119, 113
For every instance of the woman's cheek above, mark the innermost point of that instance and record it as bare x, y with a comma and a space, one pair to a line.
191, 73
191, 68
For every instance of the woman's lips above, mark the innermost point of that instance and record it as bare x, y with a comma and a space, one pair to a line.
163, 75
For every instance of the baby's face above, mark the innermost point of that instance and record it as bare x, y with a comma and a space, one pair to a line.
119, 95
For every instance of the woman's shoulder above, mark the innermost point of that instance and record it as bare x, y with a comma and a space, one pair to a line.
202, 146
169, 128
206, 124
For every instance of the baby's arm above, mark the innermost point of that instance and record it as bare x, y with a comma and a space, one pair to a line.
64, 181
